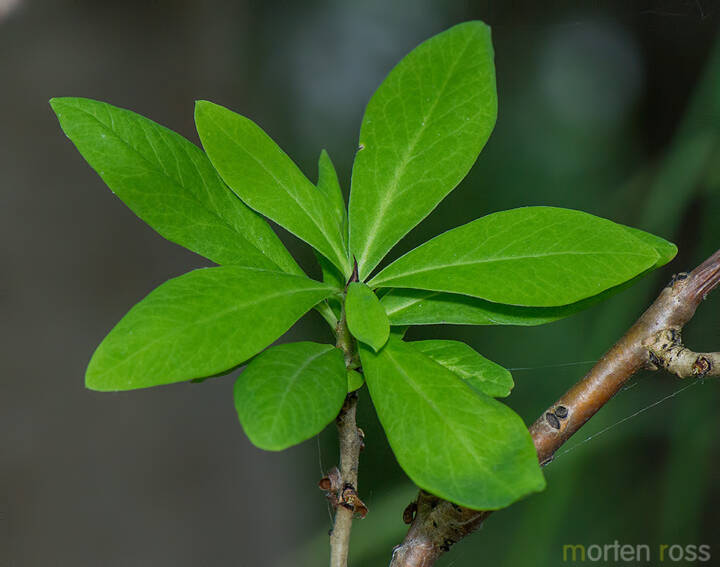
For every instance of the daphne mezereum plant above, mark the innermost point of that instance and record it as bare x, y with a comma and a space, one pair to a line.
437, 400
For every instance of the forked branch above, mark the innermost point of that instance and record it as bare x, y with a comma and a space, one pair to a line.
652, 342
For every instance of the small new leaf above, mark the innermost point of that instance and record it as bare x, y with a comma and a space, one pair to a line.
329, 186
482, 374
289, 393
450, 439
332, 276
200, 324
532, 256
366, 317
355, 380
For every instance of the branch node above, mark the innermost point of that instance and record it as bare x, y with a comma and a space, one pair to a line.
350, 500
330, 484
666, 350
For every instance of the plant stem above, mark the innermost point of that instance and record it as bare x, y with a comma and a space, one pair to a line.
439, 524
350, 441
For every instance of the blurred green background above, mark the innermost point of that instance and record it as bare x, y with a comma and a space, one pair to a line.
608, 107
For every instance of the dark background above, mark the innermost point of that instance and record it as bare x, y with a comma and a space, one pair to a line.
613, 108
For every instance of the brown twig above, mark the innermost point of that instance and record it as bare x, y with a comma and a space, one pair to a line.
350, 443
438, 524
343, 486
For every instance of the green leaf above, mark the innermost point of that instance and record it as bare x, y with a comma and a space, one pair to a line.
200, 324
421, 307
422, 131
532, 256
170, 184
398, 330
666, 250
267, 180
450, 439
482, 374
331, 276
366, 318
329, 186
355, 380
289, 393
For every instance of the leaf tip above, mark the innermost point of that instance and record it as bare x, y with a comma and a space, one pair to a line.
476, 24
377, 346
669, 253
202, 106
56, 103
355, 380
482, 30
98, 380
96, 385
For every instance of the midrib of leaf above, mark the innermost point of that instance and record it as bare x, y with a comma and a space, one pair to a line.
470, 449
291, 381
213, 317
159, 168
385, 203
292, 195
376, 281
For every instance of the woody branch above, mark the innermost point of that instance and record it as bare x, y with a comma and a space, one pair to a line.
653, 342
340, 485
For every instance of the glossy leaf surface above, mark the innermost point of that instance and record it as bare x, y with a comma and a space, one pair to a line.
666, 250
482, 374
329, 186
267, 180
331, 276
421, 307
169, 183
422, 131
355, 380
289, 393
450, 439
366, 318
532, 256
199, 324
